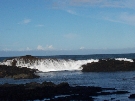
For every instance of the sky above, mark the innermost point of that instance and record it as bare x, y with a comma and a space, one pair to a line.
55, 27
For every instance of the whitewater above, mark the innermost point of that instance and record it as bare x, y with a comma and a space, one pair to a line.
70, 67
48, 65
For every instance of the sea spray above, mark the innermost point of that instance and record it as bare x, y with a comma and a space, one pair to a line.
124, 59
47, 65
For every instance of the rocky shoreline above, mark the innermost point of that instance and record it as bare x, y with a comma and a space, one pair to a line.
17, 73
109, 65
53, 92
58, 92
103, 65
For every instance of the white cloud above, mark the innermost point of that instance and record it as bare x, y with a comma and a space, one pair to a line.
39, 47
28, 49
71, 6
82, 48
72, 12
25, 21
125, 18
48, 47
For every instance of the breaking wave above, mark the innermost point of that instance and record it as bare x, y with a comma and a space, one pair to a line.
47, 65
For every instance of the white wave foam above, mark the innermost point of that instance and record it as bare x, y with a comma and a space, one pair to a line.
47, 65
124, 59
7, 62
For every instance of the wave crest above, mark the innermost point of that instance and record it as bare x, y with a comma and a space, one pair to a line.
47, 65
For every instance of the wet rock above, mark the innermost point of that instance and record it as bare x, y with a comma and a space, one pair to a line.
109, 65
121, 92
132, 96
16, 72
28, 58
51, 91
63, 85
14, 63
48, 84
25, 59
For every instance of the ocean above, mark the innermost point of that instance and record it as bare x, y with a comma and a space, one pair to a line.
67, 68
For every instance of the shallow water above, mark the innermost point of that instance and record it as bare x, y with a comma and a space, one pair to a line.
119, 80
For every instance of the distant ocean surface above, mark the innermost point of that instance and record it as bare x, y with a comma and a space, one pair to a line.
84, 57
118, 80
94, 56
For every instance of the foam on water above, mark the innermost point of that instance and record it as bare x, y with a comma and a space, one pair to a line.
47, 65
124, 59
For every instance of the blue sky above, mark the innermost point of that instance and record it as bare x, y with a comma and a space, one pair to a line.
104, 26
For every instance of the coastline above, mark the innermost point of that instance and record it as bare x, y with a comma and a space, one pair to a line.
17, 73
61, 91
53, 92
109, 65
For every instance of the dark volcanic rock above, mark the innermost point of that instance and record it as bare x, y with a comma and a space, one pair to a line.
51, 91
132, 96
14, 63
109, 65
16, 72
25, 59
29, 58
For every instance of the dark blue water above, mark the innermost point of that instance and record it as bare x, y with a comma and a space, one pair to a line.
94, 56
119, 80
84, 57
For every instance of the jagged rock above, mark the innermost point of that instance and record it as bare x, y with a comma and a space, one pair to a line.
29, 58
48, 90
16, 72
109, 65
63, 85
14, 63
132, 96
24, 59
48, 84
